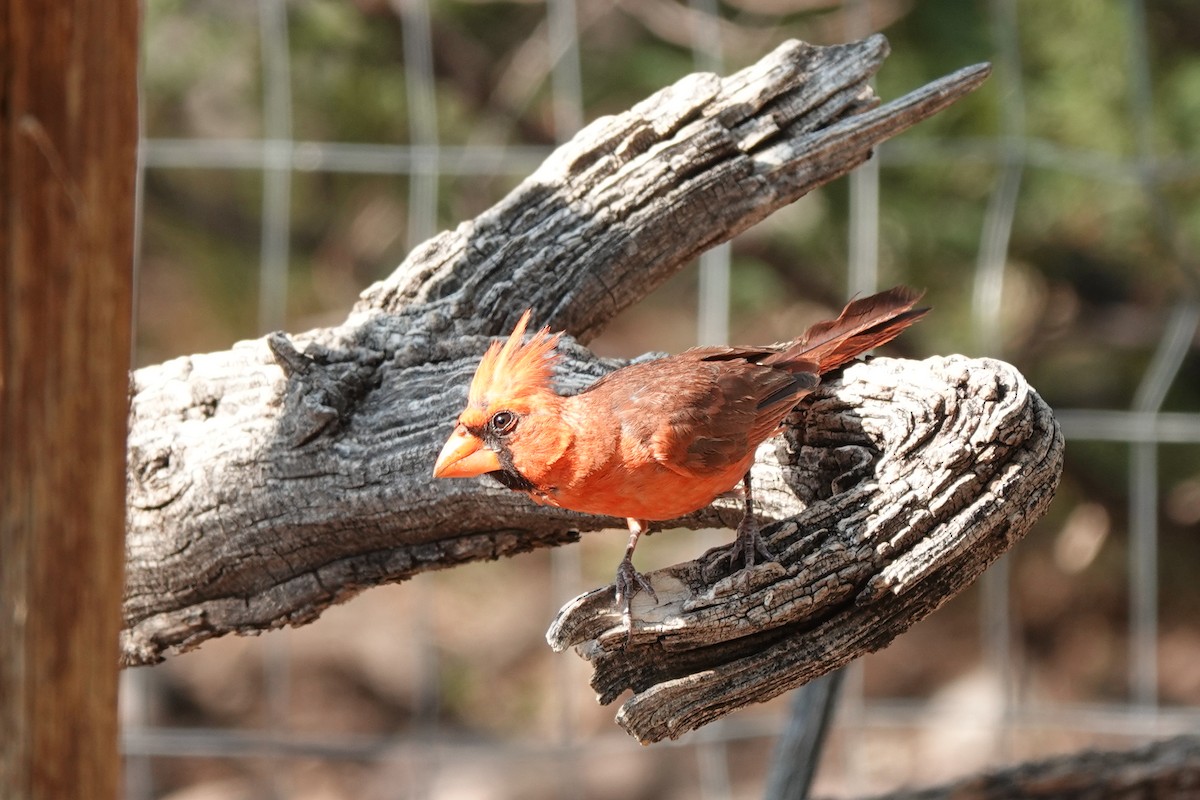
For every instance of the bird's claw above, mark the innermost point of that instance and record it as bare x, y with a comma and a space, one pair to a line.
745, 552
628, 581
749, 545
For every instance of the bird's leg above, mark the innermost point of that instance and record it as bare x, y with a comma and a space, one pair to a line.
629, 580
749, 543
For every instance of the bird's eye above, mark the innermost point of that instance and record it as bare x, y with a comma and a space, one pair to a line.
502, 422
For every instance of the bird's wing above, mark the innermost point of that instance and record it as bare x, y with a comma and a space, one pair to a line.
703, 411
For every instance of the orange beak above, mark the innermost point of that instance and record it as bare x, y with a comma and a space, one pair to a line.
464, 456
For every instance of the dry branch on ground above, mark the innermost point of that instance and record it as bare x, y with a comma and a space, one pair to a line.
1165, 770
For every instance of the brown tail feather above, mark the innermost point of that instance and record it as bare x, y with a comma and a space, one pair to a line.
862, 325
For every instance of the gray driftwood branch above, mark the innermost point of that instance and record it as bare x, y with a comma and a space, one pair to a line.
271, 480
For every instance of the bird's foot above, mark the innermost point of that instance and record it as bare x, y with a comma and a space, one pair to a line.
628, 581
747, 548
749, 545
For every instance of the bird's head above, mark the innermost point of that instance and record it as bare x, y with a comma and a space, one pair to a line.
509, 406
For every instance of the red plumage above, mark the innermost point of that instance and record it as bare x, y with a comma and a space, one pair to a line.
658, 439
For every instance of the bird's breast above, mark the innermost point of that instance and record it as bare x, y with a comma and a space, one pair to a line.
644, 491
613, 465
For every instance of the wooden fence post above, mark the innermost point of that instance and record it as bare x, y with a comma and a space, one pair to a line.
68, 138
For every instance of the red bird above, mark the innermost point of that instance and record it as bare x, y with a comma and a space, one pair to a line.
655, 440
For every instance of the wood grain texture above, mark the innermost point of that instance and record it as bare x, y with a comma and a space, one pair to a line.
68, 137
290, 472
932, 470
1165, 770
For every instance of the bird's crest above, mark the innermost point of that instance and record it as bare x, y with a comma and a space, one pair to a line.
515, 368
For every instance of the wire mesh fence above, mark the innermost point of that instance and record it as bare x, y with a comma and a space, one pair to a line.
293, 151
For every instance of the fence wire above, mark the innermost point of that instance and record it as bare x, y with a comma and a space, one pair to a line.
986, 716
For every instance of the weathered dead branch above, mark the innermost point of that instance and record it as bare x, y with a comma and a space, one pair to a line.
288, 473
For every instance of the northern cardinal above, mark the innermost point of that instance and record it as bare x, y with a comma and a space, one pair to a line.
654, 440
